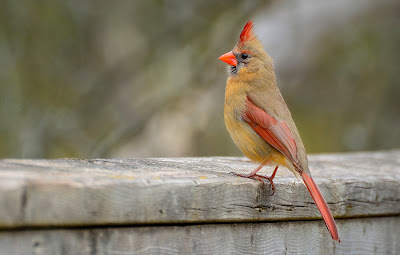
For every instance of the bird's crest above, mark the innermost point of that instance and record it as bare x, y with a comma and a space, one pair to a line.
247, 32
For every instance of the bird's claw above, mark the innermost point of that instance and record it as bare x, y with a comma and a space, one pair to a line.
257, 177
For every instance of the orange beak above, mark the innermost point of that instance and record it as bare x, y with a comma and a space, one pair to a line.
229, 58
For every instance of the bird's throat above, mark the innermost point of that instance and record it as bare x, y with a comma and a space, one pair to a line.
232, 70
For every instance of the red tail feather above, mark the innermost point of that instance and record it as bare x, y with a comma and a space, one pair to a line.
322, 206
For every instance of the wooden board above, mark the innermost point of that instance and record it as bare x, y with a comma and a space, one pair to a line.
378, 235
73, 192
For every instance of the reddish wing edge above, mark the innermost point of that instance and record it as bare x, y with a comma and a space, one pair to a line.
273, 131
278, 134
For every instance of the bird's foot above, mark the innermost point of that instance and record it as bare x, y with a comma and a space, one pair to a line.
259, 178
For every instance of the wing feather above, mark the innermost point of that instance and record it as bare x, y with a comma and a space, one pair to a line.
275, 132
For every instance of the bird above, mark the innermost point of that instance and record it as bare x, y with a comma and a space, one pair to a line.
259, 121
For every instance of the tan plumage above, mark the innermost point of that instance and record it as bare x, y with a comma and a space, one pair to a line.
259, 120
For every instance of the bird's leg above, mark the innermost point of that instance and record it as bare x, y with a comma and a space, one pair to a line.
253, 175
270, 179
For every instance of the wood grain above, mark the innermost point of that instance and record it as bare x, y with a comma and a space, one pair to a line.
100, 192
378, 235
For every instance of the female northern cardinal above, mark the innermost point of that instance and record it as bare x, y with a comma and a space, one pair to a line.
259, 121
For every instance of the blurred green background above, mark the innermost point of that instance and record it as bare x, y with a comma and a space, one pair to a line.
141, 78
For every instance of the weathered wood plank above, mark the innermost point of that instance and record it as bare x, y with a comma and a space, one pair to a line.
379, 235
69, 192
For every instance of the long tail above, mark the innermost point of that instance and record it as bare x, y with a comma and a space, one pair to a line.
322, 206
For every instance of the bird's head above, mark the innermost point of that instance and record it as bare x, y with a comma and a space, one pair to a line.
248, 56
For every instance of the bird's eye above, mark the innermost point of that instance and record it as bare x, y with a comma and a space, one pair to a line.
244, 56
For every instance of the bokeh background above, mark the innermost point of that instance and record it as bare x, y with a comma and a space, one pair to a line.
141, 78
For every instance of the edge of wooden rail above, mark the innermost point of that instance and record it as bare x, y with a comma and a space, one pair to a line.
103, 192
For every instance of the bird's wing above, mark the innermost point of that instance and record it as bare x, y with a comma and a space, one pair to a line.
273, 131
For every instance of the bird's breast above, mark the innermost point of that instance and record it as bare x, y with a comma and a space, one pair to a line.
248, 141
